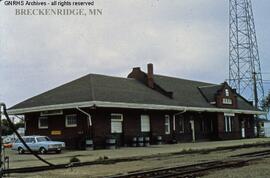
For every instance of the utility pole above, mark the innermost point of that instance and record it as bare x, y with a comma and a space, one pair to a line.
255, 90
244, 61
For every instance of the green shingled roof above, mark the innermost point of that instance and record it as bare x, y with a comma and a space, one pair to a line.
95, 87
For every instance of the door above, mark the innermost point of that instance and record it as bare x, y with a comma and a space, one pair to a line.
117, 128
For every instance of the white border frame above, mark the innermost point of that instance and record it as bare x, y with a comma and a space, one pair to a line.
71, 125
117, 114
167, 124
43, 127
117, 120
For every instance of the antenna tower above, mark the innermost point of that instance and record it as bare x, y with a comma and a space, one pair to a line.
244, 65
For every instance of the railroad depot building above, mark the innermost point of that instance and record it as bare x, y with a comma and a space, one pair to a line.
143, 105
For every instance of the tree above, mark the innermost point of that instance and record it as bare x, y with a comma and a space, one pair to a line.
6, 130
266, 102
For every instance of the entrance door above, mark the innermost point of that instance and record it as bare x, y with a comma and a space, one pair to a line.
117, 128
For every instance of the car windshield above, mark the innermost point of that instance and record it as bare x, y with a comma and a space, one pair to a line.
43, 139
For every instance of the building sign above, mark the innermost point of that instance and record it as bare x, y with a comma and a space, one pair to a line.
53, 112
56, 132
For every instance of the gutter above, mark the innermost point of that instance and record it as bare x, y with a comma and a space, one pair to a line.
130, 106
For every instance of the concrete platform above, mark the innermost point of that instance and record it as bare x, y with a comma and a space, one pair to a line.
26, 160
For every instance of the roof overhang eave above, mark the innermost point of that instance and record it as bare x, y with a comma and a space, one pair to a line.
131, 106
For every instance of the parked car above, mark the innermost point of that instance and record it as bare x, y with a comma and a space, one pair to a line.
9, 139
41, 144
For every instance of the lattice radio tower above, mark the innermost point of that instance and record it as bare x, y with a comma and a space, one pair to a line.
244, 66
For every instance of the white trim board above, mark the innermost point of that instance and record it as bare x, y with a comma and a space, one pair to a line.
131, 106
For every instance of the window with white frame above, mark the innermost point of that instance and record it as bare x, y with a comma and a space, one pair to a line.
227, 101
181, 125
227, 93
53, 112
228, 123
116, 123
145, 123
71, 120
43, 123
167, 124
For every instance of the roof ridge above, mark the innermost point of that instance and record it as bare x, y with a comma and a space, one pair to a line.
95, 74
174, 77
211, 85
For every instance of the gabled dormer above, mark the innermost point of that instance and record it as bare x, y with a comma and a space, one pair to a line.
221, 95
226, 97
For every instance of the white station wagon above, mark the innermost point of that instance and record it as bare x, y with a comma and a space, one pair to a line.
40, 144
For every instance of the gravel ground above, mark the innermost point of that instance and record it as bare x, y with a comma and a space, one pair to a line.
258, 169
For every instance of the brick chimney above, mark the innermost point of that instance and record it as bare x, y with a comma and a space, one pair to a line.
150, 75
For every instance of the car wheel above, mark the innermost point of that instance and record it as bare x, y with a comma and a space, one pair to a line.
58, 151
20, 150
42, 150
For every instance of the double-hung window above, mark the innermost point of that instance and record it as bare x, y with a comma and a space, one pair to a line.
228, 123
71, 120
181, 124
43, 123
116, 123
145, 123
167, 124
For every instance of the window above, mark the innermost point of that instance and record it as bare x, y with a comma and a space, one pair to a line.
145, 123
49, 113
30, 140
227, 101
71, 120
228, 123
42, 139
248, 124
202, 125
116, 123
43, 123
167, 124
211, 125
227, 93
181, 125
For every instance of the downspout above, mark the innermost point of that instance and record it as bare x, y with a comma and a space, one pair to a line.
179, 113
89, 133
89, 116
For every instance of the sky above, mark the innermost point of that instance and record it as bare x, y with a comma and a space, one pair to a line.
185, 39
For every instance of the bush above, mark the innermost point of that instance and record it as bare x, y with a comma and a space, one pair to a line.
74, 160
